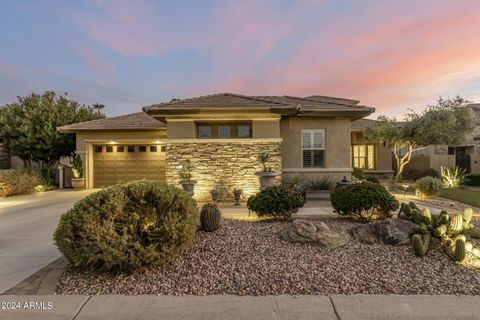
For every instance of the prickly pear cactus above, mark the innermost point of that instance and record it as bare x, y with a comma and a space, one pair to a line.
210, 217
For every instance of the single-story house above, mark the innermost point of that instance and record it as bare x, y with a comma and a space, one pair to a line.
222, 135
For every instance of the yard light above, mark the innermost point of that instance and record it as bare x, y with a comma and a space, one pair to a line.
405, 187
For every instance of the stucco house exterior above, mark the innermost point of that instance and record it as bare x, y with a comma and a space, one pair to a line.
222, 135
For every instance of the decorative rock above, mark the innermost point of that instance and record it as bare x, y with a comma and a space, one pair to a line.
389, 231
319, 233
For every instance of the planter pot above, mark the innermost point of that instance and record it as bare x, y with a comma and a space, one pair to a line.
267, 179
214, 194
188, 186
237, 195
78, 183
318, 195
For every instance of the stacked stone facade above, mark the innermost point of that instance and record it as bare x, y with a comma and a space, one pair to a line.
222, 166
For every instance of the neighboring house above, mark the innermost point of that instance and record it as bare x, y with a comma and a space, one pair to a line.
222, 135
465, 155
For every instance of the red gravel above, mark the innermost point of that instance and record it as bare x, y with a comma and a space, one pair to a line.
248, 258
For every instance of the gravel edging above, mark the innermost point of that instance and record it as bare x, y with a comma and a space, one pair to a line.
249, 258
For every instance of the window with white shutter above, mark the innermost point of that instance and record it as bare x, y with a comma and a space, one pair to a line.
313, 148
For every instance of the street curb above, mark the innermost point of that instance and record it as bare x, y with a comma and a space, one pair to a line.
42, 282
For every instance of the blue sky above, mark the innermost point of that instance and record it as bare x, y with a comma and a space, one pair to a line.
127, 54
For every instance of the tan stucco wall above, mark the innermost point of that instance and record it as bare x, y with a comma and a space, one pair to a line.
337, 147
475, 163
266, 128
181, 129
85, 141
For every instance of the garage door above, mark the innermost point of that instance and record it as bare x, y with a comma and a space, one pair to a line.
124, 163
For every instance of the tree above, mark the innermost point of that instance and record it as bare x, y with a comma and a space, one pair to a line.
28, 127
447, 122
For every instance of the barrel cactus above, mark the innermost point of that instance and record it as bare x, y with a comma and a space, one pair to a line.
210, 217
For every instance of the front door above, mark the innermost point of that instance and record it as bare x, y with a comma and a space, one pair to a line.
462, 159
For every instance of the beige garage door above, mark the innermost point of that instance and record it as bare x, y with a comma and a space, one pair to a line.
124, 163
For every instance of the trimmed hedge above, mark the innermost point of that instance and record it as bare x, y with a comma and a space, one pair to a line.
472, 179
127, 227
276, 202
364, 201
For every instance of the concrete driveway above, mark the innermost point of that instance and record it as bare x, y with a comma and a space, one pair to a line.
27, 224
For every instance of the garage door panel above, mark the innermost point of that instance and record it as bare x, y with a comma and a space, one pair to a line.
121, 167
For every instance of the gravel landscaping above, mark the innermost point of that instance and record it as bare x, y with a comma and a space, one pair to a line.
249, 258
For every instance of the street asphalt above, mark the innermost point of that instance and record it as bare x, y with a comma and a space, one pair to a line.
27, 224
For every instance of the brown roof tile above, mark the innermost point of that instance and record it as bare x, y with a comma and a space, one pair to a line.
133, 121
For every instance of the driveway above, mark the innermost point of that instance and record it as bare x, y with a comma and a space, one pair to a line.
27, 224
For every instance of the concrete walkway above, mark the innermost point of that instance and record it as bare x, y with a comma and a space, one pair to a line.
242, 212
27, 224
148, 307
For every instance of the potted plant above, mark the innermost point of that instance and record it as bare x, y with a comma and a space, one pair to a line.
237, 193
214, 194
185, 174
78, 181
267, 175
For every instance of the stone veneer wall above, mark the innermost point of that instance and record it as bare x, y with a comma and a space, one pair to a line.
221, 165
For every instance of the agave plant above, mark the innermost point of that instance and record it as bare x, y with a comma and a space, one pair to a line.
452, 177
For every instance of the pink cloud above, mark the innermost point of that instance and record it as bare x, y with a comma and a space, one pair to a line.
94, 60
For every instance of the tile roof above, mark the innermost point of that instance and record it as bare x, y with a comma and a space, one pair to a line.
278, 103
133, 121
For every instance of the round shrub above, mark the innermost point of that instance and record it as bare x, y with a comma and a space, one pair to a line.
364, 201
428, 186
276, 202
127, 227
372, 179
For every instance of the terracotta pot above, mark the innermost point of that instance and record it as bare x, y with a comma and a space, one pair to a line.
78, 183
267, 179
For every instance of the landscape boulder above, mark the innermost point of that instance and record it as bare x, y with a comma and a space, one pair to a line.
315, 232
395, 232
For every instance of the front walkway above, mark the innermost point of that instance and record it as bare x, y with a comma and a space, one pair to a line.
148, 307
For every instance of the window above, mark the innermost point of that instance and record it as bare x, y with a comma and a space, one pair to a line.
131, 148
120, 149
109, 149
98, 149
162, 149
363, 156
313, 148
142, 149
224, 130
204, 132
153, 148
243, 131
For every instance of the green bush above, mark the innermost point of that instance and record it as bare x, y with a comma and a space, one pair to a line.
276, 202
127, 227
429, 173
372, 179
358, 173
428, 186
472, 179
364, 201
18, 182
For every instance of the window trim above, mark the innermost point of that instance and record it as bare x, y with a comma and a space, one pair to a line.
215, 127
366, 155
324, 131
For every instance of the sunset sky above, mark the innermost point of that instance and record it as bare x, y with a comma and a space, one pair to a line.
392, 55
